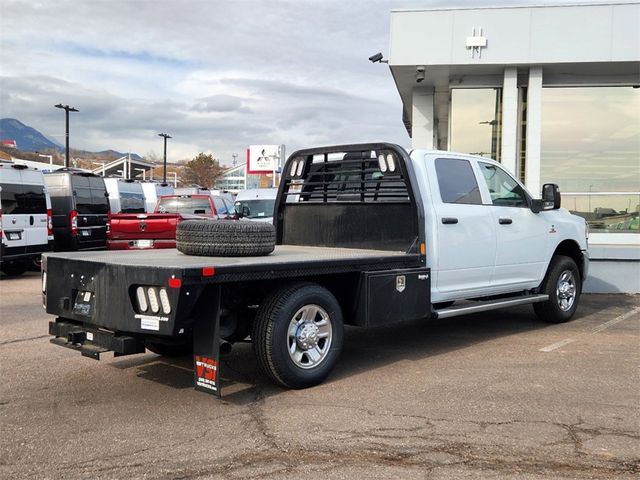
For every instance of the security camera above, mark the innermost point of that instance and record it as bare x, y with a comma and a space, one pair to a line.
376, 58
419, 74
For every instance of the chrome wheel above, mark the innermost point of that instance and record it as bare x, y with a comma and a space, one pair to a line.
566, 290
309, 336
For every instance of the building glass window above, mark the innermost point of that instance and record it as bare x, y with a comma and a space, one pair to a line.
476, 121
591, 148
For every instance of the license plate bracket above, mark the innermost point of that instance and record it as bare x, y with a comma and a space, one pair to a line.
143, 243
83, 304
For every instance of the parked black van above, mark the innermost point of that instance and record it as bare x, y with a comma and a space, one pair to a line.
80, 205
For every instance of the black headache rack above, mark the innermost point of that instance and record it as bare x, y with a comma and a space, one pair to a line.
351, 196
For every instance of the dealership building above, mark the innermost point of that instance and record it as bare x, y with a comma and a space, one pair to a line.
552, 92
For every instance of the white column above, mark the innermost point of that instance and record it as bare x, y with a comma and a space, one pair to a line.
422, 126
534, 131
509, 147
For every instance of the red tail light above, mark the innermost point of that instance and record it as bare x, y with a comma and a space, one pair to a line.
49, 222
73, 222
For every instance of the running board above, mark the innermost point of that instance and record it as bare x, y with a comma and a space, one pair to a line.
489, 305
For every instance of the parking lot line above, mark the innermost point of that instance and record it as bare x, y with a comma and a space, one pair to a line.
599, 328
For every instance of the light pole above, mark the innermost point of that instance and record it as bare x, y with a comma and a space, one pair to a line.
66, 109
164, 170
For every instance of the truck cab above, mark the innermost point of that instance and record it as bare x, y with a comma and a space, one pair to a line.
485, 234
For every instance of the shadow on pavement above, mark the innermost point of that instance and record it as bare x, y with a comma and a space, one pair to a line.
364, 349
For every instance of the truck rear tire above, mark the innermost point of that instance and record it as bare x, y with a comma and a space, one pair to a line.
563, 285
298, 334
225, 238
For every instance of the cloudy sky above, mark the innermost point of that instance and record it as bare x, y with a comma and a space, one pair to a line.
217, 76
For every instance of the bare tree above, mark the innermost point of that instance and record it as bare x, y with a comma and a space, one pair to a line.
203, 170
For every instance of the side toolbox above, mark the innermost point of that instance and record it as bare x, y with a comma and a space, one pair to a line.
393, 296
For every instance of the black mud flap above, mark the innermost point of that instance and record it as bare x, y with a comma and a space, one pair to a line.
206, 347
91, 342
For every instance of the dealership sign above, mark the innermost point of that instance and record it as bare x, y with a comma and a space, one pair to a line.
264, 158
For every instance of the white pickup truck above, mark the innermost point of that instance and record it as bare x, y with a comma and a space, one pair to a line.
365, 235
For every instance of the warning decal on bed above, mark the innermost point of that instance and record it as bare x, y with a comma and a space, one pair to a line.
206, 372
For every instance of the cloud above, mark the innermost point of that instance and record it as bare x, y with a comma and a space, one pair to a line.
220, 103
217, 76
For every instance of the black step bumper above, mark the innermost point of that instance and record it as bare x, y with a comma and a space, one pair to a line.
91, 342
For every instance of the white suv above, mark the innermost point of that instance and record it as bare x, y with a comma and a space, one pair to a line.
25, 218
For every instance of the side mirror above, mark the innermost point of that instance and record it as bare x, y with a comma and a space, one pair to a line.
246, 211
551, 195
550, 199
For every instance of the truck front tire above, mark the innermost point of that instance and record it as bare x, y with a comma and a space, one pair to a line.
563, 284
298, 334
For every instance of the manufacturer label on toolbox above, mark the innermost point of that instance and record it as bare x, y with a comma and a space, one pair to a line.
206, 373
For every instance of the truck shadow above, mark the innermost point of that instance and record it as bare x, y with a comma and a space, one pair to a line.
364, 349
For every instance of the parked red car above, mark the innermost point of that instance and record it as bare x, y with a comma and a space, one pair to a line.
134, 231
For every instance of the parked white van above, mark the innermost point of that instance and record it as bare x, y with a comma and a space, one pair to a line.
25, 217
152, 192
256, 204
125, 196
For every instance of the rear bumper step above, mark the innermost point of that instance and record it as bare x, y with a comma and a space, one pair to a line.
92, 342
488, 305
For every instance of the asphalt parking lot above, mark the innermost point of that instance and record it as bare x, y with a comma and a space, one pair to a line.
495, 395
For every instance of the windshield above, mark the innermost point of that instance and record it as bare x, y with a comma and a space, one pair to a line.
193, 206
257, 208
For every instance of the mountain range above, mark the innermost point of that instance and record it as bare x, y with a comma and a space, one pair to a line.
29, 139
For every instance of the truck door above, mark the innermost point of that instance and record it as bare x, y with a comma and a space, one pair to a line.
466, 236
522, 235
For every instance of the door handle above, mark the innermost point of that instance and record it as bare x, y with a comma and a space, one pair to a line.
449, 220
505, 221
30, 219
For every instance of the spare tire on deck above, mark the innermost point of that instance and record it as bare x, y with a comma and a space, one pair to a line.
225, 238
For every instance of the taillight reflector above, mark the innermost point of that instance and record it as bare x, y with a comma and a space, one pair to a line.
49, 222
208, 271
175, 283
73, 222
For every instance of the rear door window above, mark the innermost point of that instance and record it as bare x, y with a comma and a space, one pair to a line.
34, 200
10, 194
457, 181
84, 203
99, 201
20, 199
